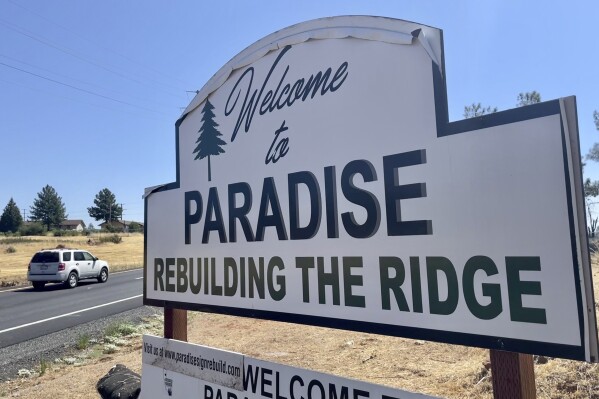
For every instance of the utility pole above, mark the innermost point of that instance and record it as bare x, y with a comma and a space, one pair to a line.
24, 215
125, 228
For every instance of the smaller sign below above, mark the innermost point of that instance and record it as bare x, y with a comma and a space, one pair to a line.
211, 365
175, 369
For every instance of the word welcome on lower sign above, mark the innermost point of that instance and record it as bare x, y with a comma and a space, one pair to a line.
174, 369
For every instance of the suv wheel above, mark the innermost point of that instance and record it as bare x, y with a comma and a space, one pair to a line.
72, 280
38, 285
103, 276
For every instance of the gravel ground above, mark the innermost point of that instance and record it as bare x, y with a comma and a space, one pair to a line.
27, 355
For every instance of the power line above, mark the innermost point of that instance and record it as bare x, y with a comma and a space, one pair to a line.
97, 44
72, 53
79, 89
70, 77
119, 109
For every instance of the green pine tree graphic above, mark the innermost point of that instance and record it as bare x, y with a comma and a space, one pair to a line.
209, 143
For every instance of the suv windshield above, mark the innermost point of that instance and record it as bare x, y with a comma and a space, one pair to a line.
45, 257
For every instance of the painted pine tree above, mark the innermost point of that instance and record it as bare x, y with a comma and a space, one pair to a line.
209, 143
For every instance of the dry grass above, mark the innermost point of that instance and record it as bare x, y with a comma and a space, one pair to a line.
566, 379
436, 369
13, 265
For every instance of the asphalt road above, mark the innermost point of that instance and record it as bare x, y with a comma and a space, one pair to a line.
26, 314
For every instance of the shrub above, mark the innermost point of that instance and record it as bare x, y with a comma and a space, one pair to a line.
135, 227
120, 330
114, 238
10, 250
43, 366
109, 349
82, 342
112, 229
65, 233
32, 229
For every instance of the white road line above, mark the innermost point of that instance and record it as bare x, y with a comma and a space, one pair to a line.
139, 278
19, 288
69, 314
28, 286
127, 271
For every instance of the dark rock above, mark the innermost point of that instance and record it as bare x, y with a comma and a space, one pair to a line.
119, 382
540, 359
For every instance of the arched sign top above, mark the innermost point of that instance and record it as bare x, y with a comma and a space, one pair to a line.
382, 29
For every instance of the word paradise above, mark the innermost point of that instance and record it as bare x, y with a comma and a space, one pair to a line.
271, 215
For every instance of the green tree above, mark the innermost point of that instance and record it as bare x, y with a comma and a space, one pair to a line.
32, 229
528, 98
209, 142
105, 207
591, 188
593, 153
48, 208
11, 219
476, 109
591, 191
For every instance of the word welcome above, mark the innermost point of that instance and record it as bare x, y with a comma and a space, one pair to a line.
268, 383
301, 89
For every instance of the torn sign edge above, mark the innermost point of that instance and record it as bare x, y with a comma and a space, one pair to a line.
381, 29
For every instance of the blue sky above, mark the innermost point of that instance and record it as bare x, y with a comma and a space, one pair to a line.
90, 90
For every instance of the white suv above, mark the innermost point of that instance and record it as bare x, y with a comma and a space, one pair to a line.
65, 265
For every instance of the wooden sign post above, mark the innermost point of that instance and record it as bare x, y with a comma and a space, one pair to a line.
175, 323
513, 375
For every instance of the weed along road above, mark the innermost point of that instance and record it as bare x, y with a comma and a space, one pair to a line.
26, 314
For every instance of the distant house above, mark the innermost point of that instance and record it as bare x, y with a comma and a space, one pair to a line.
121, 225
76, 225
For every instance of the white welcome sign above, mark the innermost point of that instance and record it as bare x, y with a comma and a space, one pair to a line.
320, 182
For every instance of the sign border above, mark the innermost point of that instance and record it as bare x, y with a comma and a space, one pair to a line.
578, 239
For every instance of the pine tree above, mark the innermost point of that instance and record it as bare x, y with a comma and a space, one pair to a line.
48, 208
209, 142
105, 207
528, 98
594, 151
477, 109
11, 219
